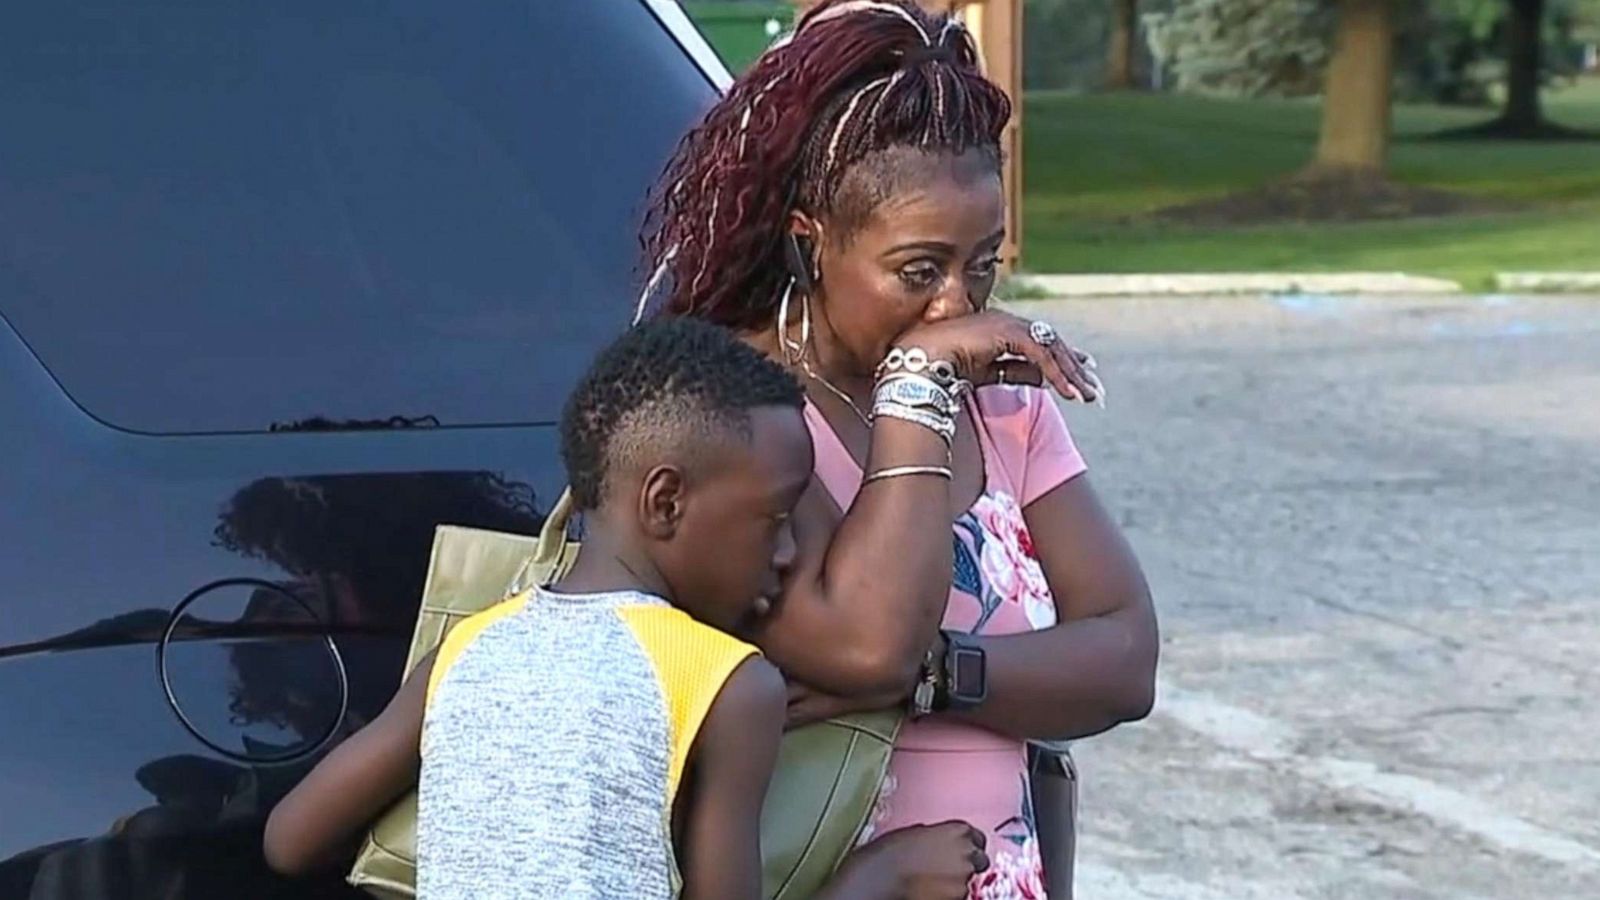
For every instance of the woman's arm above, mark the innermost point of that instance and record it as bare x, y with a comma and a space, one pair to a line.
864, 600
1091, 672
1096, 668
864, 603
315, 825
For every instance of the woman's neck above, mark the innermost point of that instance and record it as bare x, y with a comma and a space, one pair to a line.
825, 360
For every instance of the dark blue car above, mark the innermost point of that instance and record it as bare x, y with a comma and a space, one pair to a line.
283, 285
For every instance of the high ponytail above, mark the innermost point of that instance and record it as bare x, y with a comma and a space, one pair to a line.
857, 77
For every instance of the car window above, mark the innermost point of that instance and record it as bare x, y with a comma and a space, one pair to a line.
223, 216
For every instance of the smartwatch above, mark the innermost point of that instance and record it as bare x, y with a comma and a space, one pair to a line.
965, 681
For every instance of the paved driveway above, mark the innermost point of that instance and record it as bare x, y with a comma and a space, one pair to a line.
1373, 529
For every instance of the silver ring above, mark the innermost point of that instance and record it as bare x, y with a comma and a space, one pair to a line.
1043, 333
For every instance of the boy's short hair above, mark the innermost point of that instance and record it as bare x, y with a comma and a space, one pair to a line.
666, 388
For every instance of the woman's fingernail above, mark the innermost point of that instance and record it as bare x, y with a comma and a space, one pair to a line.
1098, 387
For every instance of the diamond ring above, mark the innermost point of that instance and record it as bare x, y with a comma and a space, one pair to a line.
1043, 334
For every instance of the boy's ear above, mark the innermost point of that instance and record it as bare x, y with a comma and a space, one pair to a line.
661, 502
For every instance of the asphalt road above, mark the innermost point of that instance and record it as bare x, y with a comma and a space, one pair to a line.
1373, 531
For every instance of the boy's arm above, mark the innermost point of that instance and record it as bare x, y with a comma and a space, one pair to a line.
314, 825
732, 763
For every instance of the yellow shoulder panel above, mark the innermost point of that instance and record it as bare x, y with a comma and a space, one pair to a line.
692, 662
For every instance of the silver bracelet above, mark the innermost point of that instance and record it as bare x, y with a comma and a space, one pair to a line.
943, 426
902, 471
915, 361
917, 391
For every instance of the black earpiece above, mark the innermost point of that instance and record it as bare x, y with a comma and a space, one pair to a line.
798, 256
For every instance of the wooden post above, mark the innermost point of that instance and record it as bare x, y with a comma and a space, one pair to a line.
996, 27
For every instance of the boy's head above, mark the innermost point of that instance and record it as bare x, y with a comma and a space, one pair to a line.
690, 444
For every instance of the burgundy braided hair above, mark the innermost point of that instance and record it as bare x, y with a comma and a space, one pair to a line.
857, 80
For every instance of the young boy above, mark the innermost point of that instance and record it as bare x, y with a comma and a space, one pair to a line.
600, 737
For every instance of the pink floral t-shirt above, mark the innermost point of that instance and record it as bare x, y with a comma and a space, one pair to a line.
944, 769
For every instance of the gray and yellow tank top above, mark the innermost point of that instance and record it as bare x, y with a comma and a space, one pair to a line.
555, 737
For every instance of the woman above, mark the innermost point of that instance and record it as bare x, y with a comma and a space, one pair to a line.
842, 208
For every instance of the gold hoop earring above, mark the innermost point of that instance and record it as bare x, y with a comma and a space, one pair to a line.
793, 353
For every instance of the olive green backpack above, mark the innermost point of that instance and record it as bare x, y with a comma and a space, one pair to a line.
822, 792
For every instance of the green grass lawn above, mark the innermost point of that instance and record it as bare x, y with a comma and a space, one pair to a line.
737, 30
1094, 161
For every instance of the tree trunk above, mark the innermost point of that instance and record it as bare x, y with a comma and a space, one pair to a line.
1356, 95
1119, 52
1522, 111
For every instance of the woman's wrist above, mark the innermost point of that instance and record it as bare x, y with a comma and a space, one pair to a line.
916, 388
897, 442
930, 693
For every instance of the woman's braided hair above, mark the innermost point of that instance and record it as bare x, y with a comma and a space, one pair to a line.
857, 78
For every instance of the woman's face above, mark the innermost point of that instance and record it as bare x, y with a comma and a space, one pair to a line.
928, 252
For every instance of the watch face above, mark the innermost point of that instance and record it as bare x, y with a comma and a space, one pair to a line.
968, 675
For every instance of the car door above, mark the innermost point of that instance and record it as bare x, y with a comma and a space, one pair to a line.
282, 287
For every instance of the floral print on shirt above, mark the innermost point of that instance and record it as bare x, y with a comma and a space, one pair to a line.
997, 562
